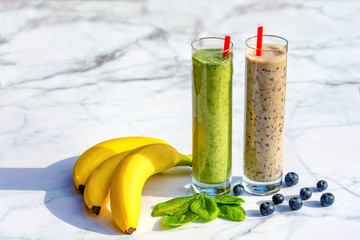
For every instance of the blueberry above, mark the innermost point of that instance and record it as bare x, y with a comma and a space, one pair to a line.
291, 179
305, 193
327, 199
267, 208
238, 189
295, 203
278, 199
321, 185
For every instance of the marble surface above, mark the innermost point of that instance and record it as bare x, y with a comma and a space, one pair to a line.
74, 73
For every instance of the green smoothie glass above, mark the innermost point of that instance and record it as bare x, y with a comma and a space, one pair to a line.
212, 116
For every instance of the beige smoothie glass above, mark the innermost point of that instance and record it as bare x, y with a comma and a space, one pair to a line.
264, 114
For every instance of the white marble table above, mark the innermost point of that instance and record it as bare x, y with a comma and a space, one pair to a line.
73, 74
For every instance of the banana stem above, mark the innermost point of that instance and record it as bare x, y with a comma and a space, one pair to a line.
185, 160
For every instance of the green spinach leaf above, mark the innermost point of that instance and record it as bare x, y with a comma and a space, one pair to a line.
231, 212
174, 206
180, 219
229, 199
205, 207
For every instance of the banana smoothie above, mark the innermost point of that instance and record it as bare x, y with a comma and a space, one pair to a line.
264, 120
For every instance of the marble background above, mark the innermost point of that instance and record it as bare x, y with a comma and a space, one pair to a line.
74, 73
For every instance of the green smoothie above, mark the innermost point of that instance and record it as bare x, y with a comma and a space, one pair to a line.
212, 116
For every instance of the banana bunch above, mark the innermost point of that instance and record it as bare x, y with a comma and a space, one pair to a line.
116, 171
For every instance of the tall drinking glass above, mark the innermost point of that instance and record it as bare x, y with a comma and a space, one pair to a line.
264, 118
212, 116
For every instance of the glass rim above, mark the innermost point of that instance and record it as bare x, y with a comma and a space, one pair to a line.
273, 36
204, 38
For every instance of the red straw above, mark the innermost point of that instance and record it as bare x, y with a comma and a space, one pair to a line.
259, 41
226, 47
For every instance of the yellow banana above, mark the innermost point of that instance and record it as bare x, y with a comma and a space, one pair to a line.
130, 176
96, 193
98, 153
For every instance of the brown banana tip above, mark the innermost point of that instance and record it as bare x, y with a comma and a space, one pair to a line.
96, 209
130, 230
81, 188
